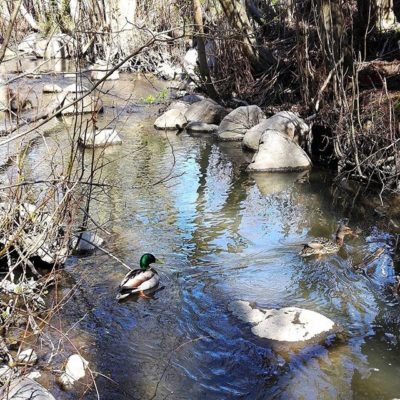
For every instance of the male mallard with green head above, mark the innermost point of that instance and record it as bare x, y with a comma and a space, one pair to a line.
320, 246
140, 280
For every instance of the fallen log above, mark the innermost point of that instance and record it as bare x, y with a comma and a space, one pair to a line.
373, 74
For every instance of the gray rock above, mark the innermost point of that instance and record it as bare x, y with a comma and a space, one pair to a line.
52, 88
285, 122
76, 88
251, 138
170, 120
57, 46
88, 104
28, 357
190, 64
100, 138
279, 153
179, 105
201, 127
192, 98
168, 71
236, 123
100, 69
25, 389
88, 241
207, 111
288, 324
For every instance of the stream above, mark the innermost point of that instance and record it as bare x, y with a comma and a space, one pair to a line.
224, 235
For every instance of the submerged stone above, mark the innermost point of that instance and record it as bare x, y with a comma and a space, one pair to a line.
201, 127
288, 324
101, 138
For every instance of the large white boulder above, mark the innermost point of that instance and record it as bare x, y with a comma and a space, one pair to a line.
207, 111
251, 138
288, 324
278, 153
285, 122
236, 123
170, 120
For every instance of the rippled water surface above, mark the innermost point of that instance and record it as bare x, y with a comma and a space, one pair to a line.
227, 235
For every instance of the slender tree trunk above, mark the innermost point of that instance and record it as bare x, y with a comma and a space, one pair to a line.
204, 70
335, 39
10, 26
260, 58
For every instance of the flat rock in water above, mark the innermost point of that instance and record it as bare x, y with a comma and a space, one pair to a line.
25, 389
207, 111
52, 88
278, 153
87, 105
170, 120
100, 69
181, 106
201, 127
236, 123
286, 122
288, 324
101, 138
73, 88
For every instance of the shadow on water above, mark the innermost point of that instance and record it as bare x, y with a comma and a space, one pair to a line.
227, 235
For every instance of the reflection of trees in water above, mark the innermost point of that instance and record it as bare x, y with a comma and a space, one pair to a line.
222, 189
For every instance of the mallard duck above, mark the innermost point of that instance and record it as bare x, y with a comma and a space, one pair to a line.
140, 280
321, 246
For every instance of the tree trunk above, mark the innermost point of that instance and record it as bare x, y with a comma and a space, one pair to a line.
385, 18
204, 70
335, 39
235, 10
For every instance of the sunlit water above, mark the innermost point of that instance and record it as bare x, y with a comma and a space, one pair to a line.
225, 235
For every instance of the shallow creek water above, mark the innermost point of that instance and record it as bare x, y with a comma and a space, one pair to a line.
224, 235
